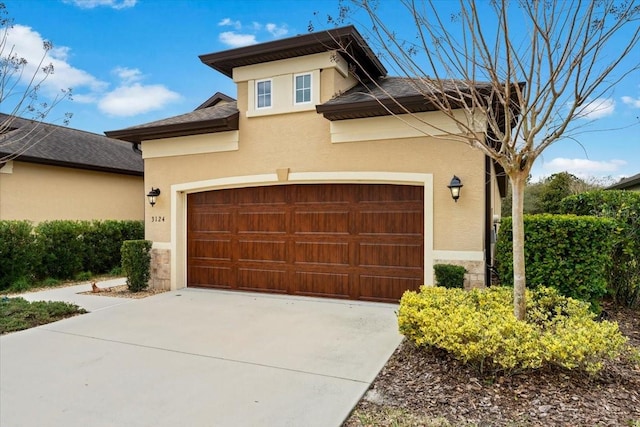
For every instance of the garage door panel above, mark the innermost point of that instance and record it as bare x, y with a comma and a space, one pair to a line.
211, 276
215, 222
262, 222
326, 194
214, 250
342, 240
262, 279
262, 250
390, 255
395, 222
321, 222
322, 253
322, 284
386, 288
274, 195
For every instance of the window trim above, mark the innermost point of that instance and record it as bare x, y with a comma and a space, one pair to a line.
310, 88
257, 92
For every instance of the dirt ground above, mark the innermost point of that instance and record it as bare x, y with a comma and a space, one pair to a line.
418, 387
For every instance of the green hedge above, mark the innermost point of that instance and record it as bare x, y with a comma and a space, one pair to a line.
17, 254
623, 272
449, 276
61, 249
136, 259
566, 252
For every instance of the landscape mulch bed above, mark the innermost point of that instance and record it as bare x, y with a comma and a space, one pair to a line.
434, 386
122, 291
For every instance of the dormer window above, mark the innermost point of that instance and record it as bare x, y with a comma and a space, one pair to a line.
263, 94
302, 88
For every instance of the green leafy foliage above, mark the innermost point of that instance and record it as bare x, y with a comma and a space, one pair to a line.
449, 276
478, 327
136, 259
17, 314
623, 272
61, 249
17, 257
566, 252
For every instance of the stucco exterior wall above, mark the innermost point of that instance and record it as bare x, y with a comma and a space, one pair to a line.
39, 192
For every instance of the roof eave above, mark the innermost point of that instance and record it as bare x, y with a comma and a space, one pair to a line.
138, 135
73, 165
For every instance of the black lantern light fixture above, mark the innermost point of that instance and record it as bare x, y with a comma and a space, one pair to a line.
155, 192
454, 186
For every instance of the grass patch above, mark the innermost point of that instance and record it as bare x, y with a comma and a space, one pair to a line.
17, 314
396, 417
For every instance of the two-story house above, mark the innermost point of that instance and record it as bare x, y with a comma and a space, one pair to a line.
307, 185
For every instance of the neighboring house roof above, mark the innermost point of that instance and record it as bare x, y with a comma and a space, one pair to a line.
37, 142
396, 94
217, 98
337, 39
626, 183
222, 116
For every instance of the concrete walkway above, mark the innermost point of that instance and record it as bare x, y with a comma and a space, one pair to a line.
195, 358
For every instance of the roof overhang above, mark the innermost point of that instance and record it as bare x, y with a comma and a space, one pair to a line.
345, 38
73, 165
140, 134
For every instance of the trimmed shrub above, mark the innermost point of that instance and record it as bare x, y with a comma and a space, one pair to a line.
61, 244
449, 276
623, 272
136, 259
478, 328
18, 255
566, 252
103, 241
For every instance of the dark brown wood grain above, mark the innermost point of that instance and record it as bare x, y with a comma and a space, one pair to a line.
356, 241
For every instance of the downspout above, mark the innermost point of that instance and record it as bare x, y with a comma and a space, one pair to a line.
488, 222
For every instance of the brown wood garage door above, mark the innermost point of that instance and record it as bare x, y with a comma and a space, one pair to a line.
357, 241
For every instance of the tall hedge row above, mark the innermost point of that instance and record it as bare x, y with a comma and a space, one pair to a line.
61, 249
566, 252
623, 272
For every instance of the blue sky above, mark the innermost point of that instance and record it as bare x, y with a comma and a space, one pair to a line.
134, 61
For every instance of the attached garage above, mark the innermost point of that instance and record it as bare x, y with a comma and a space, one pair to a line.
355, 241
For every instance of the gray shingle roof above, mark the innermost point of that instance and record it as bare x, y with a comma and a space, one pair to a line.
217, 118
219, 111
38, 142
363, 100
626, 183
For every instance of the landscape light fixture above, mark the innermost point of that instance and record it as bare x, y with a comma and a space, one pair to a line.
454, 186
155, 192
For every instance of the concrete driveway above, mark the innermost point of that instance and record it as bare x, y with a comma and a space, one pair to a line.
196, 358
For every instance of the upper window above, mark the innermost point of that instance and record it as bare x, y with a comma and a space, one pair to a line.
302, 88
263, 94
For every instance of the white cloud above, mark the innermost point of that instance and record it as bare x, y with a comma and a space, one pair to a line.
128, 75
596, 109
227, 22
28, 44
583, 167
114, 4
136, 99
635, 103
234, 39
276, 31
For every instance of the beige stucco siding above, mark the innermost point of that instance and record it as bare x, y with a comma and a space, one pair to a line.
39, 192
301, 143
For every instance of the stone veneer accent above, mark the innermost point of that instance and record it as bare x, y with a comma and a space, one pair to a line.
160, 269
474, 277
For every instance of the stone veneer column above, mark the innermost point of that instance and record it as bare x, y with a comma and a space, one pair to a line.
474, 277
160, 269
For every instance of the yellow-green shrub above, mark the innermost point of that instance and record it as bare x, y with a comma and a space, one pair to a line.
478, 328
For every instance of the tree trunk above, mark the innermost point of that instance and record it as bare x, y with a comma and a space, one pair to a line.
517, 217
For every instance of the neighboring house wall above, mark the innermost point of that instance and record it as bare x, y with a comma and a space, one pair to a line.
34, 192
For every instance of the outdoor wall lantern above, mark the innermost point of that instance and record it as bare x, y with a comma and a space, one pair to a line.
155, 192
455, 185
